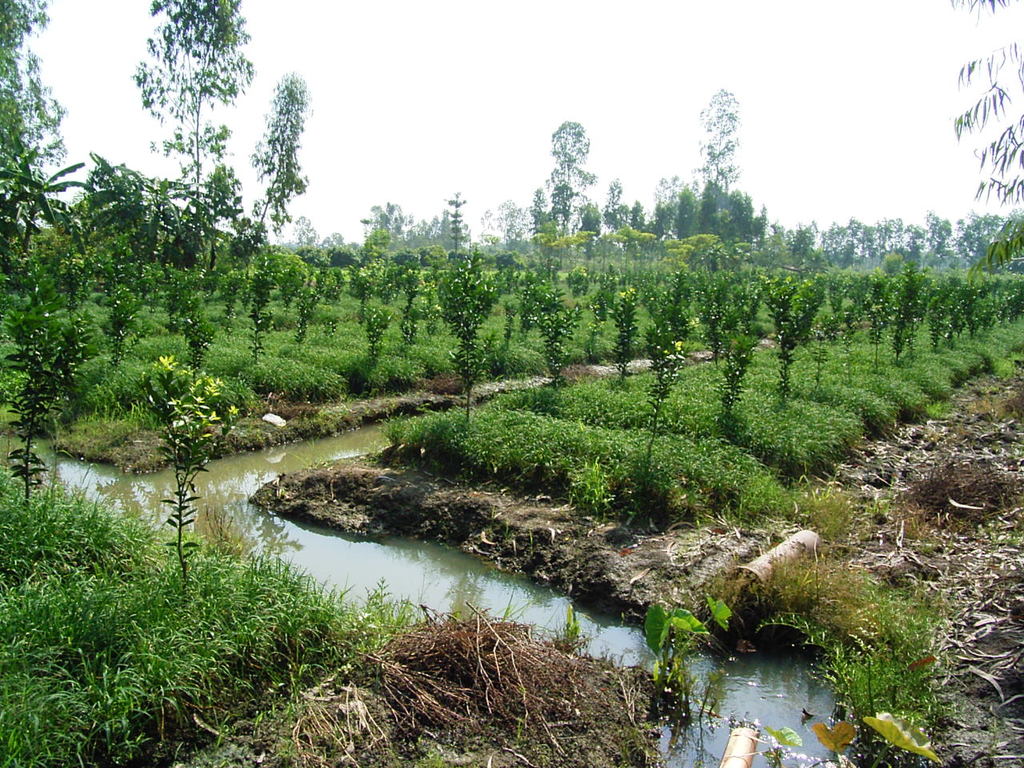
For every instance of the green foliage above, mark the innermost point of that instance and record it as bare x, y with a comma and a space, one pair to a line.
31, 118
411, 286
907, 309
197, 63
673, 637
684, 477
877, 310
276, 158
738, 352
49, 347
718, 310
187, 407
124, 308
793, 305
261, 282
376, 320
466, 295
309, 298
30, 198
104, 662
623, 312
589, 489
667, 358
556, 321
197, 329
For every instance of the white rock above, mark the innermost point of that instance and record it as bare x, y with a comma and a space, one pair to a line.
273, 418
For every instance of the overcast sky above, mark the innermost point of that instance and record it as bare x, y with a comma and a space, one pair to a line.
847, 108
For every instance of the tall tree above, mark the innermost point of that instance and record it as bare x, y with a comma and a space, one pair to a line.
939, 235
458, 228
29, 117
197, 64
391, 218
513, 222
668, 190
539, 215
569, 179
721, 121
685, 224
303, 233
615, 212
276, 158
590, 219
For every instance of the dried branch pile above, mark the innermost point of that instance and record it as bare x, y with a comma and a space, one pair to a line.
459, 673
964, 492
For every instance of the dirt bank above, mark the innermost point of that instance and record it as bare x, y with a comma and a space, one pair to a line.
605, 565
132, 448
950, 490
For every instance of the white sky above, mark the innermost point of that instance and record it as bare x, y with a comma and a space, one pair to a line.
847, 108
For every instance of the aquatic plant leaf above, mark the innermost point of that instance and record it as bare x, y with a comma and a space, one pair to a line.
902, 734
720, 612
655, 627
786, 737
837, 738
683, 620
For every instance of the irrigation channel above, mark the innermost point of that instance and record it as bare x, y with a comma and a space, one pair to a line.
772, 689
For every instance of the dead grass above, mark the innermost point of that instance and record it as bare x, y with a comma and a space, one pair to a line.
472, 676
441, 384
335, 725
963, 493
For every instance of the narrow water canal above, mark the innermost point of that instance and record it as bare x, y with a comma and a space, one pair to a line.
770, 688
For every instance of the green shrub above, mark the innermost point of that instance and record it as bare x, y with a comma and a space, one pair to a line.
102, 660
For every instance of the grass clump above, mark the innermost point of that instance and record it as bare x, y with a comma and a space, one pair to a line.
103, 660
684, 477
876, 640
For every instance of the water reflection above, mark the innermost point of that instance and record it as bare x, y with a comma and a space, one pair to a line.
772, 689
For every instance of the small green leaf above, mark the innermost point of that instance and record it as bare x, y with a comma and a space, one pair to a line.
683, 620
786, 737
902, 734
655, 627
720, 612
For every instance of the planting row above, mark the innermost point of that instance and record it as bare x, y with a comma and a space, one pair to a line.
597, 442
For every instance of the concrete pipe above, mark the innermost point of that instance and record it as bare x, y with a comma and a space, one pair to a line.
799, 544
740, 751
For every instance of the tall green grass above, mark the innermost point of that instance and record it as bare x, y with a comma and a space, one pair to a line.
685, 478
103, 660
806, 435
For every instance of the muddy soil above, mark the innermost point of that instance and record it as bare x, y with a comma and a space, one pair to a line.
950, 522
608, 566
138, 449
